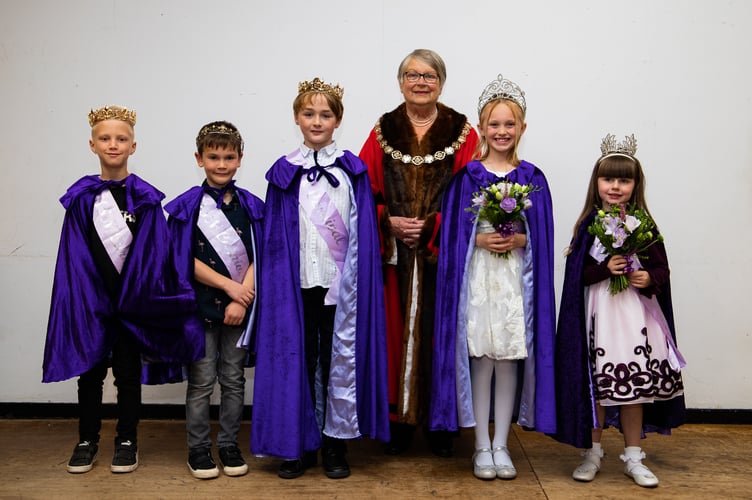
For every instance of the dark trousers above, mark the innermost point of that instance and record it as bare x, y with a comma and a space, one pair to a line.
319, 330
126, 369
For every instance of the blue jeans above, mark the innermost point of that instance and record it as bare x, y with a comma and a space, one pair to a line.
223, 363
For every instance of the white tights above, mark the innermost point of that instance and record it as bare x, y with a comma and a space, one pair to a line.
482, 370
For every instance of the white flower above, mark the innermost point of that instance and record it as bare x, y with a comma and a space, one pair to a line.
631, 223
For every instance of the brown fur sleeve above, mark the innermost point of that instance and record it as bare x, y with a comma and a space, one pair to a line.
427, 236
385, 228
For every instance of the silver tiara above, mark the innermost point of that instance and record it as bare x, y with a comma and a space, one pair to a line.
609, 146
501, 88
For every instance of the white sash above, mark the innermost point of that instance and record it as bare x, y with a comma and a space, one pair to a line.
223, 238
112, 228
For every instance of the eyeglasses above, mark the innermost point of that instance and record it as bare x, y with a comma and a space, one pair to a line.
429, 78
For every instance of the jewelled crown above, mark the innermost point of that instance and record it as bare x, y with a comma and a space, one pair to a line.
221, 129
501, 88
609, 146
112, 113
317, 85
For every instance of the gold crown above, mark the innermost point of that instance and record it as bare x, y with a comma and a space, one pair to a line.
609, 146
112, 113
317, 85
221, 129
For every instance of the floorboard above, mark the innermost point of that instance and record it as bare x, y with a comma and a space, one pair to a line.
697, 461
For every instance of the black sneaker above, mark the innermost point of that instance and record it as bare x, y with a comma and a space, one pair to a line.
125, 458
201, 464
83, 458
232, 461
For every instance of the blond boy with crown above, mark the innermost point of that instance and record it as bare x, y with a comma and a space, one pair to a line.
116, 295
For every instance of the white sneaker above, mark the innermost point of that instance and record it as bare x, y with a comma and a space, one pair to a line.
634, 468
589, 467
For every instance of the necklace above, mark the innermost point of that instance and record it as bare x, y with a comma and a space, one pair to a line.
419, 160
426, 121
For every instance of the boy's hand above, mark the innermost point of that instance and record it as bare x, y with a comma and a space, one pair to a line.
234, 314
240, 293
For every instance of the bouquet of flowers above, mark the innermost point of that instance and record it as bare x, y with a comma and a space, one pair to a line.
624, 231
502, 205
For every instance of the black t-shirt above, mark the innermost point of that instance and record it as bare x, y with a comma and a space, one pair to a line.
112, 279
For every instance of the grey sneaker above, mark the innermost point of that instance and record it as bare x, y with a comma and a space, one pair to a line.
83, 458
125, 458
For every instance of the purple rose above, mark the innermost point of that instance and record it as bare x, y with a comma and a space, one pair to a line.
508, 205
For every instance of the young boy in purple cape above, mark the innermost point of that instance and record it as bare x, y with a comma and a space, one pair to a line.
215, 229
116, 295
321, 362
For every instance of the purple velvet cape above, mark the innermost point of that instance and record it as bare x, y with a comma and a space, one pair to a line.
284, 424
184, 211
576, 402
155, 305
451, 398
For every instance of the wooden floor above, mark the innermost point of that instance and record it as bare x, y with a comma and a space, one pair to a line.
697, 461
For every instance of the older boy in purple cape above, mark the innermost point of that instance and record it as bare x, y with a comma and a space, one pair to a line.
284, 422
451, 405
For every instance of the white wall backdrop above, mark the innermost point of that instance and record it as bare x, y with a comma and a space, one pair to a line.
674, 72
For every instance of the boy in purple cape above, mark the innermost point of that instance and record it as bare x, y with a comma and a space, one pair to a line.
215, 229
116, 295
321, 362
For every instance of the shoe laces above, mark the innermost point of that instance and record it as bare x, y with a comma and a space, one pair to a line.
125, 450
232, 452
203, 459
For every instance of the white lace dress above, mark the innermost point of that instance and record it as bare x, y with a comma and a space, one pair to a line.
495, 315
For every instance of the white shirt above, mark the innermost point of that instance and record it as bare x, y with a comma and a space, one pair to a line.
317, 266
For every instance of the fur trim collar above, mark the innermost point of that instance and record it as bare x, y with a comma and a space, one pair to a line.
397, 135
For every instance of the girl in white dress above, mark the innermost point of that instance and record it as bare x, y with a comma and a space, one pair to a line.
495, 316
632, 354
